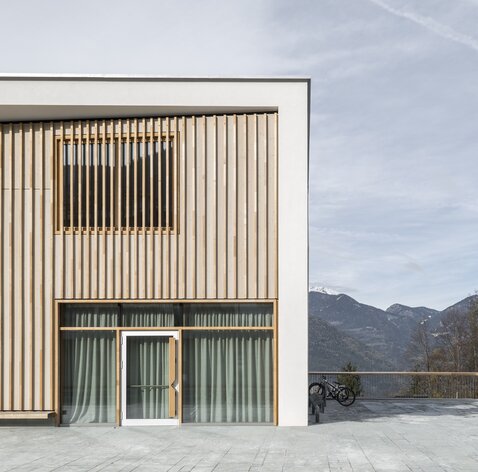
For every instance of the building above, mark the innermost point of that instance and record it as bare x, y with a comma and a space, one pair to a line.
153, 249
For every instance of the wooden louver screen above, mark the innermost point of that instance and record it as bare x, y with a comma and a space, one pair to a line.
115, 176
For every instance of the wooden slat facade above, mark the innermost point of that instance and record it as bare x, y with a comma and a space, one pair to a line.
216, 241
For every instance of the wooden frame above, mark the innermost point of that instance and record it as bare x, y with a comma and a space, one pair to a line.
173, 392
85, 265
98, 136
180, 329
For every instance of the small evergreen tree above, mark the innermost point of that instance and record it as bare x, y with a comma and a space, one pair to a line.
351, 381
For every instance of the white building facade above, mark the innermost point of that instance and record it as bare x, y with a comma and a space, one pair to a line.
154, 249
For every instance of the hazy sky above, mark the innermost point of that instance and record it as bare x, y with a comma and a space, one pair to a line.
394, 128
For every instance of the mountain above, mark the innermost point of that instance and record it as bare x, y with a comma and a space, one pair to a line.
462, 306
384, 332
330, 349
417, 314
341, 329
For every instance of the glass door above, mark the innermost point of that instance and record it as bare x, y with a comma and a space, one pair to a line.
148, 378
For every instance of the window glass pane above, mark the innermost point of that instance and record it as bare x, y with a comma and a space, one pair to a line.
227, 377
228, 314
86, 315
88, 377
147, 377
147, 188
150, 315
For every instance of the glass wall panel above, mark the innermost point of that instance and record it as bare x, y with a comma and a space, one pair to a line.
227, 377
228, 314
88, 377
150, 315
89, 315
147, 388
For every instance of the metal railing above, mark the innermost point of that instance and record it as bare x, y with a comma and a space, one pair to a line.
411, 385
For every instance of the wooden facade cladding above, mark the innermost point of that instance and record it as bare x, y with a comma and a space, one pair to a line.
220, 241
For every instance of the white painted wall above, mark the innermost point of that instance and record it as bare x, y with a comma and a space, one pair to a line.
35, 98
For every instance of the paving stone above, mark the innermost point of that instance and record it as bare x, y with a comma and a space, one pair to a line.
370, 436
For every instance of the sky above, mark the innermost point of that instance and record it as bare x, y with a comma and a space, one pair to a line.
394, 114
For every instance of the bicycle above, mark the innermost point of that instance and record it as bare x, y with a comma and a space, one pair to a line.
343, 394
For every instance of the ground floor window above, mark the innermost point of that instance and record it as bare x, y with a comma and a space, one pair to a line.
89, 377
167, 363
227, 377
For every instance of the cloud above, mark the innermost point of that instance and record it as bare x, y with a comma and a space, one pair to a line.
430, 24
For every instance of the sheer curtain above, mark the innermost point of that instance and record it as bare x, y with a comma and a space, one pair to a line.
147, 395
227, 377
228, 314
148, 314
86, 315
89, 377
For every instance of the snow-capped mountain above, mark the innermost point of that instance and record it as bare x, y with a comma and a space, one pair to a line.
382, 334
320, 289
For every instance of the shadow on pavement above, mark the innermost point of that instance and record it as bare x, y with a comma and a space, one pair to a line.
374, 410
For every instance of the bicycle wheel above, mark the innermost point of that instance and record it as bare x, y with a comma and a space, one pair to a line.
345, 396
315, 387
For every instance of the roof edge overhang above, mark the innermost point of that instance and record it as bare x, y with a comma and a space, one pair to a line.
149, 78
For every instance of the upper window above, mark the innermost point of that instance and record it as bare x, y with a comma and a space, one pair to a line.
116, 183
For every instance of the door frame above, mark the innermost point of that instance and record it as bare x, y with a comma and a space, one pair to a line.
147, 422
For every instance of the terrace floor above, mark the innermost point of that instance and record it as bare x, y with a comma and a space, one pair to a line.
403, 435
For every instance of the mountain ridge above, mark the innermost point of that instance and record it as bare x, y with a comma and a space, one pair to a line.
383, 334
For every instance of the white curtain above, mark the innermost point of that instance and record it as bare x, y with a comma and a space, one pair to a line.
89, 377
149, 315
227, 377
228, 314
89, 315
147, 393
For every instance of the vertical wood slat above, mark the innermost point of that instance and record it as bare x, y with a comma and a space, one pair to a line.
135, 216
176, 205
160, 212
225, 216
2, 305
72, 240
96, 232
204, 220
236, 206
53, 255
41, 321
61, 210
128, 190
216, 210
80, 202
152, 239
112, 160
256, 209
143, 208
21, 265
266, 210
202, 232
87, 261
194, 209
184, 207
2, 267
104, 251
276, 203
246, 208
168, 233
11, 271
121, 158
32, 307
